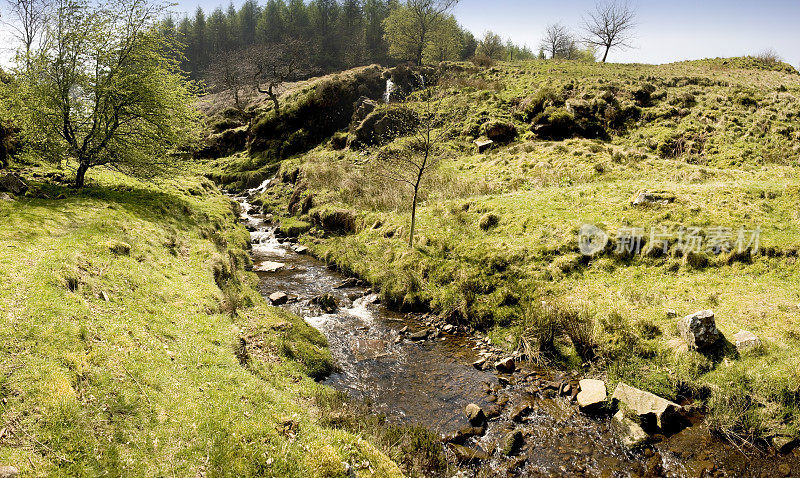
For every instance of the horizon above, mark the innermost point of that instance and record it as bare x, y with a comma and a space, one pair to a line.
713, 29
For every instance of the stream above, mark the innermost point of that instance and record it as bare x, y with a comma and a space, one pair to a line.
430, 381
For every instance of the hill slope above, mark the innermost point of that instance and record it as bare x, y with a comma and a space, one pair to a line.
715, 145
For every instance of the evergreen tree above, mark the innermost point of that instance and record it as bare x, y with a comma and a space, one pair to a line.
271, 26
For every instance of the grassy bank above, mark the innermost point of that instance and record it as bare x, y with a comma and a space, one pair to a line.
134, 344
717, 139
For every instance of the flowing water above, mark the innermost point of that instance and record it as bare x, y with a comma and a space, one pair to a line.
430, 382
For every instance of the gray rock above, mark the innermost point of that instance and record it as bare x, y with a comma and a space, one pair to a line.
475, 414
652, 198
629, 432
278, 298
506, 365
745, 340
652, 412
8, 471
593, 394
672, 314
301, 249
13, 184
479, 364
699, 330
6, 197
483, 144
520, 412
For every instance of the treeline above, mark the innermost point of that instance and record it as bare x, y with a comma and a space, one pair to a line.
338, 34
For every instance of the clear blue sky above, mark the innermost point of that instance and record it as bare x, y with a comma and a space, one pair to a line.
667, 30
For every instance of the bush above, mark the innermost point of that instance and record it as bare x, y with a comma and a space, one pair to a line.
483, 60
489, 221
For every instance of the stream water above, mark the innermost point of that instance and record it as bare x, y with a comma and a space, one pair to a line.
429, 382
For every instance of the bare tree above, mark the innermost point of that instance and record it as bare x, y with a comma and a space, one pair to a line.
419, 153
275, 64
231, 74
557, 40
609, 26
29, 18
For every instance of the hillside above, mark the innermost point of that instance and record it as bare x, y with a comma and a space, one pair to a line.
713, 144
136, 344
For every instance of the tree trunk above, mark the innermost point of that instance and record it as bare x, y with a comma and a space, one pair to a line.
80, 177
606, 54
413, 217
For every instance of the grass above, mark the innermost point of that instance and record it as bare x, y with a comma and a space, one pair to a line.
134, 343
498, 231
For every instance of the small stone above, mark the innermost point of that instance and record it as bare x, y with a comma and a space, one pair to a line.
301, 249
672, 314
745, 340
449, 328
480, 363
506, 365
475, 414
327, 302
278, 298
593, 394
8, 471
492, 411
783, 444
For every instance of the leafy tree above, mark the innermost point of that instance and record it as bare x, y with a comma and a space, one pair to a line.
102, 92
469, 45
609, 26
408, 29
491, 46
445, 44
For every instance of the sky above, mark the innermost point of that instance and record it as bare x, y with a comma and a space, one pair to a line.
666, 31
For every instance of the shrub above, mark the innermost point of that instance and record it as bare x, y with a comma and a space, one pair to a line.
489, 221
482, 60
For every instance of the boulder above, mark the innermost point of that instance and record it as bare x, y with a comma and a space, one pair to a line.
467, 455
13, 184
499, 131
593, 394
327, 302
520, 412
699, 330
483, 144
6, 197
628, 431
278, 298
421, 335
653, 413
8, 471
512, 442
380, 126
475, 414
269, 266
745, 340
506, 365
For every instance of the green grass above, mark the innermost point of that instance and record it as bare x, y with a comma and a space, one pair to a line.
497, 232
156, 380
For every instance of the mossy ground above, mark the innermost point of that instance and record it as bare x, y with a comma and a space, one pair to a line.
134, 344
720, 138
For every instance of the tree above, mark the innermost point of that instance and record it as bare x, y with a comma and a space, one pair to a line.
273, 65
229, 73
491, 46
420, 153
408, 29
28, 21
609, 26
445, 43
556, 41
101, 91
